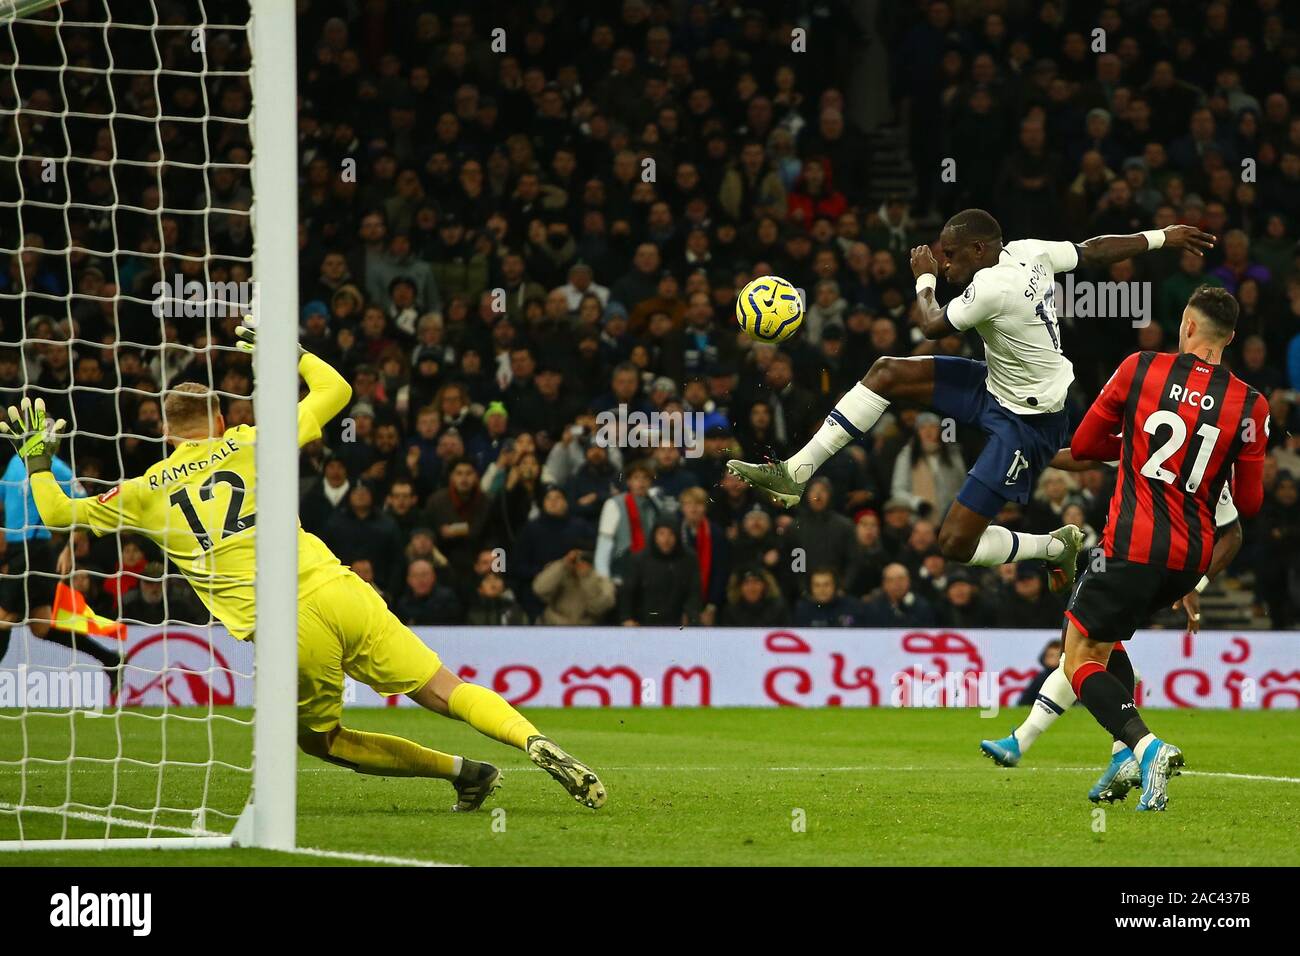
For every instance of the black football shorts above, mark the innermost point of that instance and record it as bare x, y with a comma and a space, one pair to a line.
1109, 605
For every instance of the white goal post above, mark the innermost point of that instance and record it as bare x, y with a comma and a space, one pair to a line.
268, 817
275, 257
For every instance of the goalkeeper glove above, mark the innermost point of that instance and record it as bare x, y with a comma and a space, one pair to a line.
247, 335
34, 436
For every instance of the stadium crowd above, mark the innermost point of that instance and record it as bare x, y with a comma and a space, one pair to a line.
501, 248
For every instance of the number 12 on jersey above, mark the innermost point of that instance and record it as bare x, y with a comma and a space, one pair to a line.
234, 524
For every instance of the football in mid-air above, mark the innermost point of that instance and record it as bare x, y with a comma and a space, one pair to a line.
769, 309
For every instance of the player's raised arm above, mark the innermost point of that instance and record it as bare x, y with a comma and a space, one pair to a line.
934, 322
1103, 250
328, 392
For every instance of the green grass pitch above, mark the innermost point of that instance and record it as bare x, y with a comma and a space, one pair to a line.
716, 787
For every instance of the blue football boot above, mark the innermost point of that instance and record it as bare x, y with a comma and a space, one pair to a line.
1121, 775
1160, 762
1004, 752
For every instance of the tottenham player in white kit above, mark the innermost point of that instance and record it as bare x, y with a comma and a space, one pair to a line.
1017, 396
1056, 695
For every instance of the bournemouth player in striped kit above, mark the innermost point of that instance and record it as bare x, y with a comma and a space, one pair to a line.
1181, 426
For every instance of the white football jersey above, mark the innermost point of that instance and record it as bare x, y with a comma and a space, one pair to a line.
1225, 512
1012, 307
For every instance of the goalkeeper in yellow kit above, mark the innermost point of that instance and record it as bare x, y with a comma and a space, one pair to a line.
200, 506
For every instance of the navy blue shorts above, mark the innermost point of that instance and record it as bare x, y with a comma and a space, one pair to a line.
1019, 446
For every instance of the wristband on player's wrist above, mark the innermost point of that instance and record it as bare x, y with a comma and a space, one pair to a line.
1155, 238
926, 281
38, 463
1202, 584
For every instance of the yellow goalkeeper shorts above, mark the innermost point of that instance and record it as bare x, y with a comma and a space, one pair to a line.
346, 628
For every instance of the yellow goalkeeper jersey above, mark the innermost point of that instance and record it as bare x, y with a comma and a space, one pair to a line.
200, 507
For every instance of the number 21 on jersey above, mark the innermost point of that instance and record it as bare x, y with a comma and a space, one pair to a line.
1157, 456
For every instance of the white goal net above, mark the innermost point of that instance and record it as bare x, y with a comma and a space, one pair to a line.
127, 233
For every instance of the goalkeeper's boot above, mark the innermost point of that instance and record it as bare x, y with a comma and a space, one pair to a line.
1063, 567
1121, 775
1004, 752
772, 477
1160, 762
572, 774
474, 784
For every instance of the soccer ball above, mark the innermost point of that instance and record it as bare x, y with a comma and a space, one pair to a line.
769, 309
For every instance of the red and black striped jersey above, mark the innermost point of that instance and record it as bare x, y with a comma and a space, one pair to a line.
1183, 424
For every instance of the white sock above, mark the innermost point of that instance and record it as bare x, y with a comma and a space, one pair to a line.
456, 764
1117, 747
854, 415
1142, 746
1054, 698
997, 545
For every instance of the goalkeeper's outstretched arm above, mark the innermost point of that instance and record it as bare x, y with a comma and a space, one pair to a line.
328, 391
328, 394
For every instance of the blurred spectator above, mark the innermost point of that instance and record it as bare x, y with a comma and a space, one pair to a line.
868, 559
1029, 603
546, 538
826, 605
754, 600
425, 601
757, 545
709, 543
626, 523
1276, 572
400, 506
130, 567
963, 606
1054, 494
896, 605
359, 530
157, 600
929, 470
573, 592
494, 605
662, 587
820, 537
459, 514
324, 496
593, 481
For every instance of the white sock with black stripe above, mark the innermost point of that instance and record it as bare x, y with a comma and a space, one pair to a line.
852, 417
998, 545
1055, 697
